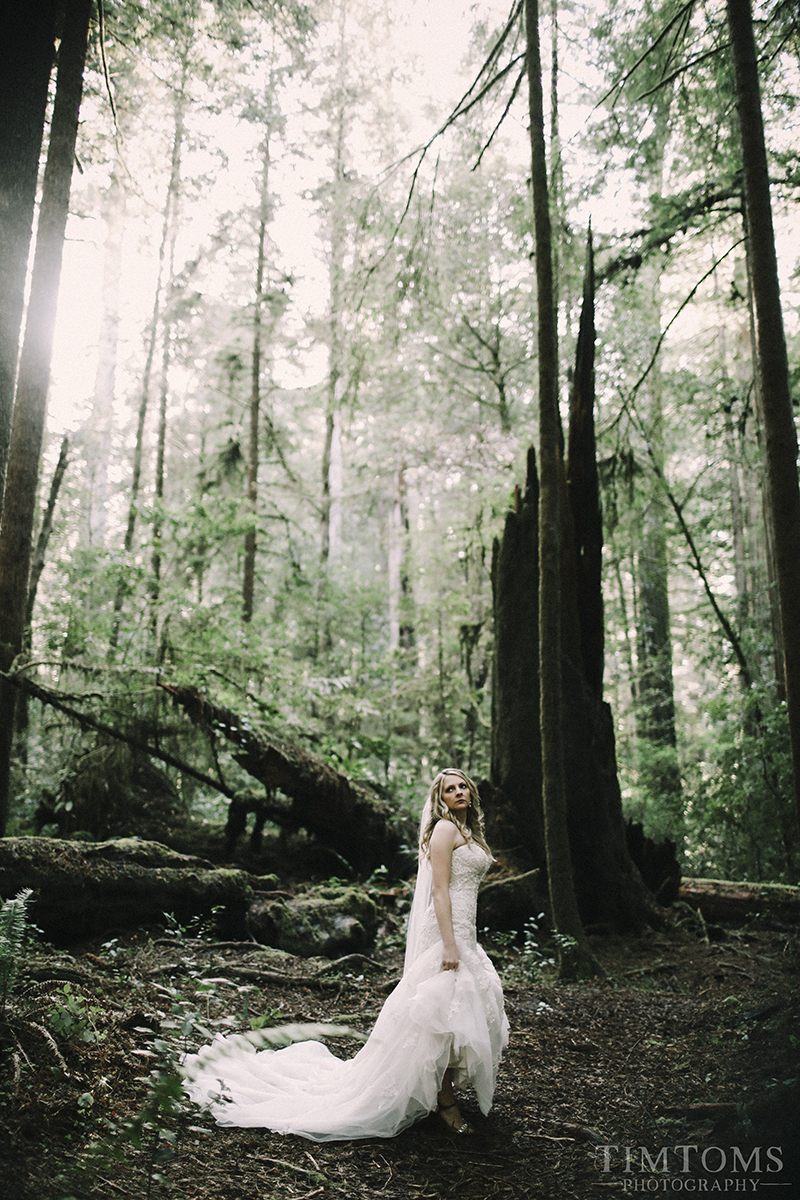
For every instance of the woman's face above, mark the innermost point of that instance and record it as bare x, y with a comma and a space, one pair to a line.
455, 793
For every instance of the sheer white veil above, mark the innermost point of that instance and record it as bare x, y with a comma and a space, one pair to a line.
422, 892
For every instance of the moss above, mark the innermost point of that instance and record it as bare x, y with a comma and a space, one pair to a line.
327, 921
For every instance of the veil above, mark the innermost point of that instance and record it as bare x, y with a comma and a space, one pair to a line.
422, 893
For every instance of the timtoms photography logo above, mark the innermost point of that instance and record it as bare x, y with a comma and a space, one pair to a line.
722, 1169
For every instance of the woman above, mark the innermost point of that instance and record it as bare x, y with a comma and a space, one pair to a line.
443, 1025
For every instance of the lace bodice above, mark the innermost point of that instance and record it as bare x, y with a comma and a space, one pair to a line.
468, 867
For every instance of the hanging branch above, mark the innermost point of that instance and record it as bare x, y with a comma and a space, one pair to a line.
503, 115
101, 31
687, 300
679, 217
628, 405
696, 561
697, 564
464, 105
683, 13
693, 62
59, 702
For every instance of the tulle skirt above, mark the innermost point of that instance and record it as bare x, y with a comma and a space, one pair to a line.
432, 1020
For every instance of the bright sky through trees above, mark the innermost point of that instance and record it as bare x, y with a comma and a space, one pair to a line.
432, 39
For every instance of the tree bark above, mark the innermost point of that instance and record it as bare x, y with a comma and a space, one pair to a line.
98, 436
27, 428
249, 576
773, 366
401, 601
584, 493
331, 458
27, 32
575, 957
37, 564
769, 585
166, 340
609, 891
517, 824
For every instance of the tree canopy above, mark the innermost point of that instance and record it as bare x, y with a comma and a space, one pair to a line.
296, 355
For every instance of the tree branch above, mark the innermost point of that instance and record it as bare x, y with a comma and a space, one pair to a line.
54, 700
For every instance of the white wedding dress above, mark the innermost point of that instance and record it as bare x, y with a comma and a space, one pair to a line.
432, 1020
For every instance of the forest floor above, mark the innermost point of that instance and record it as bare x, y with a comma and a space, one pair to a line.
683, 1043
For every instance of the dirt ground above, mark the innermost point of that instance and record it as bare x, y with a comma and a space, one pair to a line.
685, 1043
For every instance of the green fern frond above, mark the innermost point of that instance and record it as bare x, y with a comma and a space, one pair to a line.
13, 924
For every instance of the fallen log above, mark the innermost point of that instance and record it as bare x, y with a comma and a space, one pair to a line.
723, 900
347, 816
85, 888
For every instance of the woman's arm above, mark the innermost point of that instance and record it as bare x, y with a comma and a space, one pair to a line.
443, 841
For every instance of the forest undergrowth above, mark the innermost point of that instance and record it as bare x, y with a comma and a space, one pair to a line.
686, 1042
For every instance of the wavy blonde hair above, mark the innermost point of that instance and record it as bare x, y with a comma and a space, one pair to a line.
435, 804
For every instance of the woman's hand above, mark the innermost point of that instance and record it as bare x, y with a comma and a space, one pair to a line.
450, 958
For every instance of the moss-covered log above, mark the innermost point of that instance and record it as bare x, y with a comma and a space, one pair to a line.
724, 900
347, 816
85, 888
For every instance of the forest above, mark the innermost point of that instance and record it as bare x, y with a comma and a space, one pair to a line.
387, 388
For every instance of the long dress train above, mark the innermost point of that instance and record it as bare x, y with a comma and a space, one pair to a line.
433, 1020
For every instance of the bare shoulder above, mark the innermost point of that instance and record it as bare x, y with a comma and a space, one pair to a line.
445, 836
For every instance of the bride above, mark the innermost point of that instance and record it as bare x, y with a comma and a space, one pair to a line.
443, 1025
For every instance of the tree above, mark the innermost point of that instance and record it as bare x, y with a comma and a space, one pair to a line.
773, 365
34, 371
608, 890
248, 583
29, 37
575, 957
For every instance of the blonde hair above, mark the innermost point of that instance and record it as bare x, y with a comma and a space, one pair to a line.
438, 810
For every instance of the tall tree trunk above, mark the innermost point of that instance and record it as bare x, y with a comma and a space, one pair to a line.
27, 427
773, 365
38, 560
161, 453
556, 165
737, 519
575, 957
734, 482
335, 387
770, 585
37, 566
401, 625
584, 493
98, 436
657, 741
249, 577
27, 32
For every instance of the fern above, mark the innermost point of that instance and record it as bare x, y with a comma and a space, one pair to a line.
13, 915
